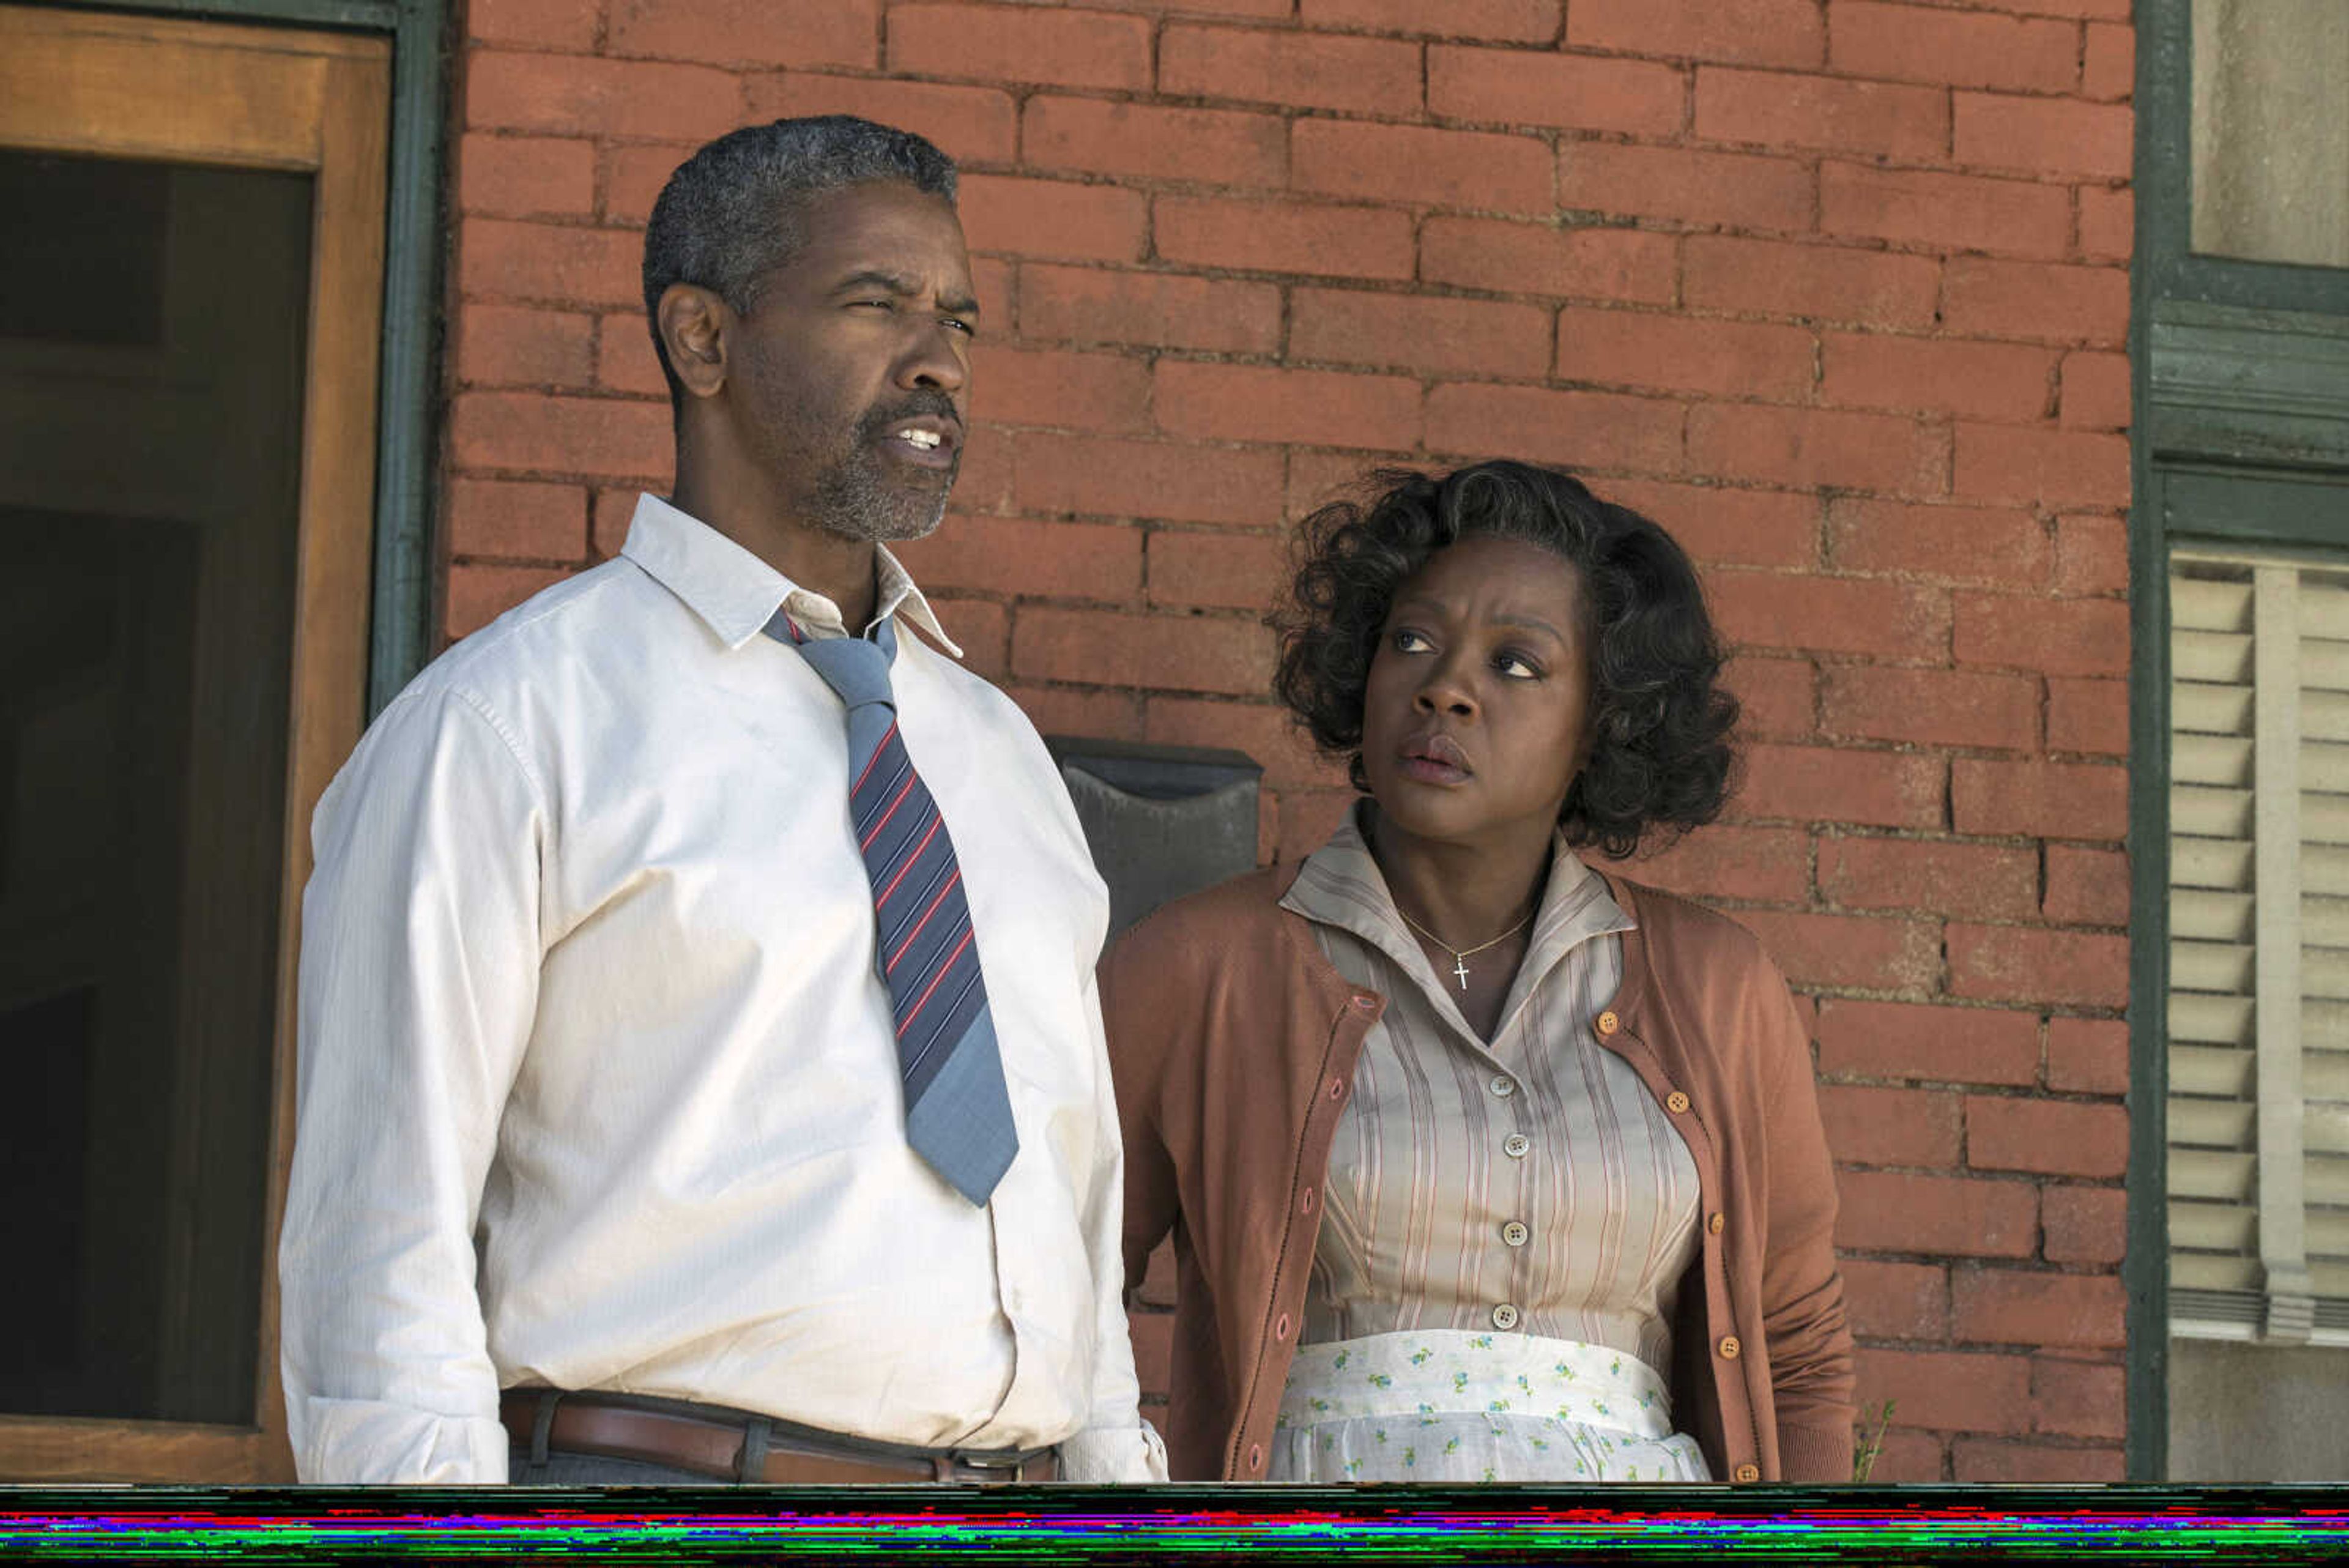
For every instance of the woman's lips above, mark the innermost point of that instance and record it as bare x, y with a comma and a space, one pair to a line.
1434, 759
1424, 770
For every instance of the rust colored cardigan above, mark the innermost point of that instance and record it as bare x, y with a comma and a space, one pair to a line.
1233, 1041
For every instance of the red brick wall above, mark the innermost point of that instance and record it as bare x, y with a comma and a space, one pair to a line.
1838, 291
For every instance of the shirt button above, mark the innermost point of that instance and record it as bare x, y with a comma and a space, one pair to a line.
1515, 1233
1504, 1086
1281, 1325
1747, 1472
1515, 1145
1609, 1023
1728, 1347
1717, 1223
1676, 1102
1505, 1315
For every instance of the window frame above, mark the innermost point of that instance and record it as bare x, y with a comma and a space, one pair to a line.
378, 568
403, 587
2197, 427
2165, 257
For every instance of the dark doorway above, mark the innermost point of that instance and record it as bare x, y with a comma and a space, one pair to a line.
152, 408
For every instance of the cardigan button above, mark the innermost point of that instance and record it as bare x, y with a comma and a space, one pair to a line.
1747, 1473
1281, 1327
1677, 1103
1609, 1023
1730, 1347
1717, 1222
1366, 1002
1304, 1201
1337, 1088
1256, 1455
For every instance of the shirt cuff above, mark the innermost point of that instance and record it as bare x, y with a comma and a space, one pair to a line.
1109, 1456
364, 1442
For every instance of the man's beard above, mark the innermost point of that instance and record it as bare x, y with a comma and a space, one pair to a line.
856, 497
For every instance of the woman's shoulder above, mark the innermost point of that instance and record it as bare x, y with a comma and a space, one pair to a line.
1683, 931
1712, 965
1242, 916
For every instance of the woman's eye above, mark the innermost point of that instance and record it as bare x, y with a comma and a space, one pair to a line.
1516, 666
1408, 641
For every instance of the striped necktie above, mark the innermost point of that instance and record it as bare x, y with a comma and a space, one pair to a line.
957, 1115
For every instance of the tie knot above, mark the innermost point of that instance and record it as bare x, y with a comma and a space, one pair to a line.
856, 670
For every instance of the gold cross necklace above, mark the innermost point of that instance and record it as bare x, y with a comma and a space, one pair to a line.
1460, 956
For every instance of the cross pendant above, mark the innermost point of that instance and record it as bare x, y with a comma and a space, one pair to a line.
1460, 968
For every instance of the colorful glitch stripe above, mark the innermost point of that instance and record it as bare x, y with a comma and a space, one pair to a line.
2268, 1525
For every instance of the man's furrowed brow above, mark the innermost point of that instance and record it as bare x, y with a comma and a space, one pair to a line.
904, 285
899, 283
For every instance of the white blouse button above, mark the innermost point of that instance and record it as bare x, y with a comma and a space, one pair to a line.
1515, 1233
1505, 1315
1515, 1145
1504, 1086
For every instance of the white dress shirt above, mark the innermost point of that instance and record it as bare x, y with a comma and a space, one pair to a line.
599, 1089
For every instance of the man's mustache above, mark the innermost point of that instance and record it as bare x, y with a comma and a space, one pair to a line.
937, 405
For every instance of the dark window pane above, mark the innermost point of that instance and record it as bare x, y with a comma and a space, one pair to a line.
83, 261
149, 508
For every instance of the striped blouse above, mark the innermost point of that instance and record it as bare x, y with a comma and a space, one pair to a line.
1526, 1183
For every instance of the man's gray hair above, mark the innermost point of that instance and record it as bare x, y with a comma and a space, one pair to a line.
729, 215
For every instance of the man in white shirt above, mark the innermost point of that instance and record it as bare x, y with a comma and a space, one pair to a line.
608, 1164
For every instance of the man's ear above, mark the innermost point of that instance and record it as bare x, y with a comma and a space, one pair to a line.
695, 325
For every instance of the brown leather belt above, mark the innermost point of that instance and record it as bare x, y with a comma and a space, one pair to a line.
740, 1445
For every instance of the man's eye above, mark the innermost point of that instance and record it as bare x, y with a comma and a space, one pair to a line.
957, 324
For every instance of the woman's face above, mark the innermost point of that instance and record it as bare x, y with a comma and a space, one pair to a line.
1476, 716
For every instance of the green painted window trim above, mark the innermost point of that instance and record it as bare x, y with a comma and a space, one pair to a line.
2231, 440
2165, 123
402, 607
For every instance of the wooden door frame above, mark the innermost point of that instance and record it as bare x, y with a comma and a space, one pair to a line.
187, 92
404, 630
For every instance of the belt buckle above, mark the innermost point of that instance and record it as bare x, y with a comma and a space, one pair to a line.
985, 1460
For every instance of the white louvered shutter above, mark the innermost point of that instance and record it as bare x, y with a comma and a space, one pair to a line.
2259, 927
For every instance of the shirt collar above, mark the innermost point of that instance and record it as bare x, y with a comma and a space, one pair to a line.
736, 594
1340, 885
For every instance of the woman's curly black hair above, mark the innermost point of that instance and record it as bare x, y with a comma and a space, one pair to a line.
1660, 756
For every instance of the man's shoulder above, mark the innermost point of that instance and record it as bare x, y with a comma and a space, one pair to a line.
563, 625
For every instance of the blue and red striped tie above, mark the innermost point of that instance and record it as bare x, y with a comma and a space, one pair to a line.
957, 1115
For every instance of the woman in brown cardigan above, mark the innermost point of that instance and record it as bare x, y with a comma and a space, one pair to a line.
1482, 1165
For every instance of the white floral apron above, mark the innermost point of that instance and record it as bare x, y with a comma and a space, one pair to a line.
1452, 1406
